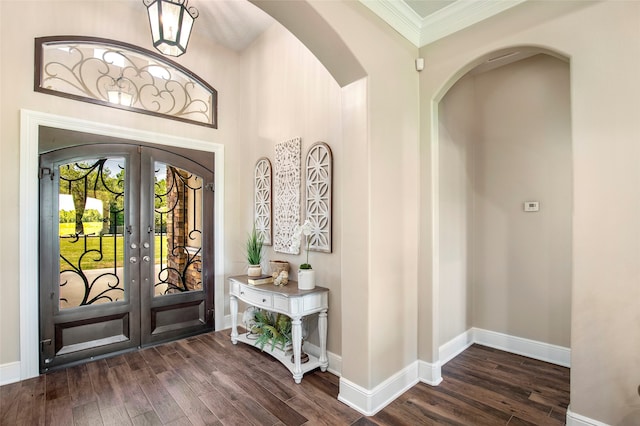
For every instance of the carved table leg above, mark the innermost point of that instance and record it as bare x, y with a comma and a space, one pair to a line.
322, 332
296, 336
233, 307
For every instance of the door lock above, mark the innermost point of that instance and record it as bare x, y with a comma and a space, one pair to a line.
146, 258
133, 260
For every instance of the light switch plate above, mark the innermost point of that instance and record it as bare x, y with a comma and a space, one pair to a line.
531, 206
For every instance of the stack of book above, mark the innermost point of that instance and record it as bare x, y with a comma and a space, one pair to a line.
262, 279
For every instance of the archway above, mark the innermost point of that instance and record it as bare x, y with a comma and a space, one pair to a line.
503, 139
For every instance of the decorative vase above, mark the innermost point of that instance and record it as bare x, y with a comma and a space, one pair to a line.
306, 279
254, 270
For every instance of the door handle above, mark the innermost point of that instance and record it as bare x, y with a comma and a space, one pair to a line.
133, 260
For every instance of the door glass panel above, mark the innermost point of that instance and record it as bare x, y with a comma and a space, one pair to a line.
91, 226
178, 230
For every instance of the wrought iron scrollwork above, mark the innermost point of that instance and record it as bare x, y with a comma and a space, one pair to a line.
84, 264
89, 68
179, 220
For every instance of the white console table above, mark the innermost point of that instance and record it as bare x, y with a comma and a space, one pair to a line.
291, 301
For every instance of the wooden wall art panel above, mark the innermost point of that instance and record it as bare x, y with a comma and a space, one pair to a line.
262, 199
287, 186
319, 194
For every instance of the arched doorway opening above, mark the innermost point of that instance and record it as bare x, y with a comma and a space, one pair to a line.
503, 206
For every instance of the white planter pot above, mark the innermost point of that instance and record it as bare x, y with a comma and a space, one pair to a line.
254, 270
306, 279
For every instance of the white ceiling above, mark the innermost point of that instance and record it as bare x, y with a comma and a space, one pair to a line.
425, 8
235, 24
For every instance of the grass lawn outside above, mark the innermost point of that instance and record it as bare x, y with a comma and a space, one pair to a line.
112, 247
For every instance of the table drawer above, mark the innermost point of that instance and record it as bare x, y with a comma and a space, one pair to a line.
256, 298
281, 303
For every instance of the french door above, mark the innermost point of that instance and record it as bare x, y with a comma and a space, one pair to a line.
126, 249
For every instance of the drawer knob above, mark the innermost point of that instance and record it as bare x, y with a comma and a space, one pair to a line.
242, 292
264, 300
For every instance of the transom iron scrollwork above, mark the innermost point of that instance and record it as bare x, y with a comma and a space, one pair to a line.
178, 223
123, 76
262, 199
318, 195
91, 254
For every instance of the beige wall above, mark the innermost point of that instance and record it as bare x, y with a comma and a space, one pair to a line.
379, 265
522, 261
458, 131
602, 40
505, 138
287, 93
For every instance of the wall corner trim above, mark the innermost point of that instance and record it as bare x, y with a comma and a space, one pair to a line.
455, 346
429, 373
370, 401
574, 419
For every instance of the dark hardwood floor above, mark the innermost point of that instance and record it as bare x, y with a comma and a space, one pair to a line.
207, 380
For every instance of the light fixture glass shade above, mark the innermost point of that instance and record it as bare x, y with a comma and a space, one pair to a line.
119, 92
120, 98
171, 23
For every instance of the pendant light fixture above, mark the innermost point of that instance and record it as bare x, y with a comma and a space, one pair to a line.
171, 23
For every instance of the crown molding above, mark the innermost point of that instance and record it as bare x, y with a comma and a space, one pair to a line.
399, 15
446, 21
459, 15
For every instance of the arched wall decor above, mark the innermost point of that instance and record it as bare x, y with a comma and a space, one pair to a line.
319, 194
124, 76
262, 199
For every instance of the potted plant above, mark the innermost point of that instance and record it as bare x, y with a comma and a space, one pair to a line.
306, 274
254, 253
271, 328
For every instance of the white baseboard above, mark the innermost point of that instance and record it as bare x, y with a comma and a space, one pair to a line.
429, 373
335, 361
369, 402
574, 419
9, 373
227, 322
547, 352
456, 346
